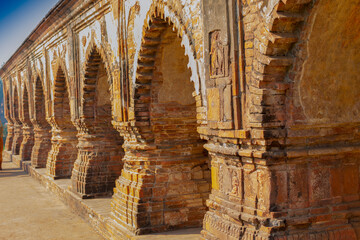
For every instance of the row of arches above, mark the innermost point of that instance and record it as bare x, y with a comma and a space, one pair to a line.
161, 174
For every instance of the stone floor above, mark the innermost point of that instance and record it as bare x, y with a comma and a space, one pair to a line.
28, 211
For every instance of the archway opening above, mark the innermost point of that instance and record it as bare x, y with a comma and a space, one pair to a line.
99, 161
10, 128
173, 121
28, 132
63, 151
40, 114
16, 105
17, 125
168, 167
42, 128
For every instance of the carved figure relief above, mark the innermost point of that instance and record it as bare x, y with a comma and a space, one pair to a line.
218, 56
236, 183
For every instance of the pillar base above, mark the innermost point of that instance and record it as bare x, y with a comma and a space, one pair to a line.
61, 158
97, 167
157, 193
17, 140
27, 144
41, 148
9, 137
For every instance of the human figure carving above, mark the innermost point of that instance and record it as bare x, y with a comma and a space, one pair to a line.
217, 55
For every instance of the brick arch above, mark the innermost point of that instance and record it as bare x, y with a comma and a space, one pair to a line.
100, 145
39, 108
163, 10
10, 128
27, 128
97, 50
154, 27
168, 153
63, 147
42, 128
93, 108
61, 91
7, 105
16, 106
18, 137
25, 106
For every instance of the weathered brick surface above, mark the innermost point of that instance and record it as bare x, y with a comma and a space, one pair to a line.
237, 115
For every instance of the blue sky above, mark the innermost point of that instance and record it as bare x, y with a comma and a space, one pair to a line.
18, 18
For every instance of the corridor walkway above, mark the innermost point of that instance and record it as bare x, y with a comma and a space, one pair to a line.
28, 211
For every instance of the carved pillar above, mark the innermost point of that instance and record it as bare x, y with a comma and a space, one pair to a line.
10, 136
42, 146
10, 124
98, 163
27, 143
63, 153
17, 140
159, 190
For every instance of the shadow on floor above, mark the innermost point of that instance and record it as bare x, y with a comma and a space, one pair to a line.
10, 172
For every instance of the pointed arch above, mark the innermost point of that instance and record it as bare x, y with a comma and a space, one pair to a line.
104, 158
165, 116
18, 136
16, 106
25, 106
63, 152
97, 97
62, 110
10, 125
97, 51
42, 128
7, 106
39, 100
27, 128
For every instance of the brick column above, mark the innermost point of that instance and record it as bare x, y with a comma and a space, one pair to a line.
17, 139
159, 190
42, 146
28, 131
9, 137
63, 153
98, 163
27, 143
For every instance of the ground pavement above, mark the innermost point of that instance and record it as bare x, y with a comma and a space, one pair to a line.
28, 211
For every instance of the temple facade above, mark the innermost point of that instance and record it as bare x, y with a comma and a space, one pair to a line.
237, 116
